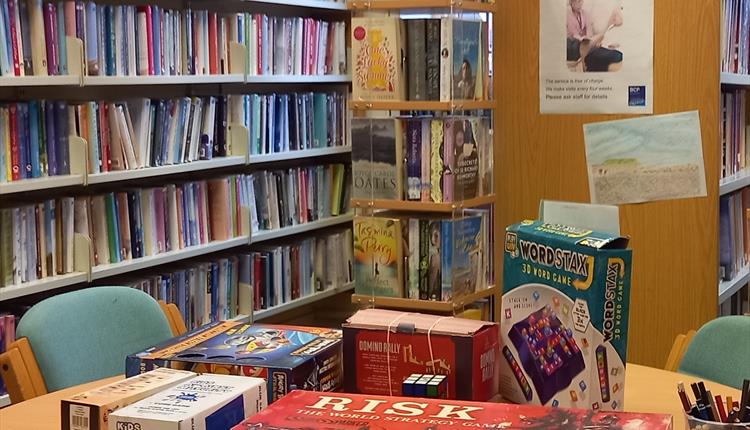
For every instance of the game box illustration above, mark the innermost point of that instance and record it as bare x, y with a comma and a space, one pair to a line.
564, 321
377, 362
287, 357
304, 410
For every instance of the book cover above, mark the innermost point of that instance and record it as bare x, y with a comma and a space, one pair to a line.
437, 164
461, 254
414, 159
317, 411
466, 59
466, 178
90, 40
376, 158
377, 59
38, 45
378, 261
62, 49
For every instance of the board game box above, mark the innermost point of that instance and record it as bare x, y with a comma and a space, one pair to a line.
287, 357
383, 348
303, 410
564, 323
90, 409
206, 402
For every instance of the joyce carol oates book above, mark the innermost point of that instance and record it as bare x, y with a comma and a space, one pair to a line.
376, 161
377, 56
314, 410
378, 256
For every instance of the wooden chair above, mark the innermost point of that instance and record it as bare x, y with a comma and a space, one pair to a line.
23, 376
679, 347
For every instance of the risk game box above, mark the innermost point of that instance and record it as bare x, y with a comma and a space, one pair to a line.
287, 357
466, 351
302, 410
564, 322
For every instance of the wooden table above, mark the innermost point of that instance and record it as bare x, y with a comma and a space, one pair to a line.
646, 390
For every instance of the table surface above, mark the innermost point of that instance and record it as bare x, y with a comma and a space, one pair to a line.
646, 390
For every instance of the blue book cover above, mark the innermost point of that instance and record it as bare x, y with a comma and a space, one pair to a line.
23, 148
61, 126
285, 126
49, 111
25, 138
5, 51
255, 125
109, 34
278, 123
92, 46
726, 258
466, 51
320, 122
93, 115
172, 110
184, 112
116, 221
156, 18
181, 293
62, 50
461, 247
34, 136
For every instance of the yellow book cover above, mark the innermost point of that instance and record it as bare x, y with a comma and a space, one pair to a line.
377, 46
378, 256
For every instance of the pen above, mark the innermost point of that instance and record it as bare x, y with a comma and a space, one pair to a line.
699, 402
729, 404
720, 407
706, 401
683, 397
714, 410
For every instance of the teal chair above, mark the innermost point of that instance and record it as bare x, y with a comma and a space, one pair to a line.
720, 351
85, 335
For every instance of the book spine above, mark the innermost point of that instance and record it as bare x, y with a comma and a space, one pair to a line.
34, 135
446, 58
449, 131
61, 127
50, 35
62, 50
414, 160
6, 55
23, 129
25, 23
446, 260
15, 37
15, 150
432, 59
436, 164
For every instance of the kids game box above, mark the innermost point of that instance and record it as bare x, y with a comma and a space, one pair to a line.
303, 410
287, 357
383, 348
564, 322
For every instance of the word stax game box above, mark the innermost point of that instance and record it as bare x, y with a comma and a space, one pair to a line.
465, 351
288, 357
90, 410
206, 402
564, 321
303, 410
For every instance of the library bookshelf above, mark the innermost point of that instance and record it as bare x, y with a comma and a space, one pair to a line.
432, 5
238, 78
298, 303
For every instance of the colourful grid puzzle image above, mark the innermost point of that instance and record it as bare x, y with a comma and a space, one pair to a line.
547, 351
425, 385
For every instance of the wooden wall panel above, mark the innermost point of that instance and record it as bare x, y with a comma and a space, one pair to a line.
675, 251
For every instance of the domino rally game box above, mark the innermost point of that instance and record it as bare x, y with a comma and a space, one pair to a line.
564, 316
466, 351
303, 410
288, 357
206, 402
90, 410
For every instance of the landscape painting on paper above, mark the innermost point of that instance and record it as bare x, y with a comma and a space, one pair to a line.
644, 159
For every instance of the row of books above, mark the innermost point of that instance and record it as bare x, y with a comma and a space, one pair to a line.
737, 304
127, 40
734, 233
299, 195
734, 135
280, 274
428, 258
7, 336
735, 36
144, 222
36, 241
419, 59
447, 159
270, 276
203, 292
290, 122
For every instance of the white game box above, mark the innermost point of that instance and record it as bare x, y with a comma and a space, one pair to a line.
206, 402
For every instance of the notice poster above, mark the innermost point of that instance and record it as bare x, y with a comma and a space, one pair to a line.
596, 56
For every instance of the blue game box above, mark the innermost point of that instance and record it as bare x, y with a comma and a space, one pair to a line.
287, 357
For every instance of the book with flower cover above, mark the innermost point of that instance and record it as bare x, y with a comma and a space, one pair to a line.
377, 52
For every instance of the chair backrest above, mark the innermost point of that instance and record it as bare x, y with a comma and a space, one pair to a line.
85, 335
720, 351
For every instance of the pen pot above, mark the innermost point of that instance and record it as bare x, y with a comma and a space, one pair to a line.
692, 423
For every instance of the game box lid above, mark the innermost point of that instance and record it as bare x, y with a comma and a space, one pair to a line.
241, 343
306, 410
574, 236
381, 319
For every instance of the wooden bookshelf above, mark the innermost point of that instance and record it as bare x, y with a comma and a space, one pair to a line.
456, 6
265, 235
417, 206
423, 105
423, 305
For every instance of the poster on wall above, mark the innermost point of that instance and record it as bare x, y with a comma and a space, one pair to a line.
596, 56
645, 159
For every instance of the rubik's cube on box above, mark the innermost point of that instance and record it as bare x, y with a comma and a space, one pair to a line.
425, 385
